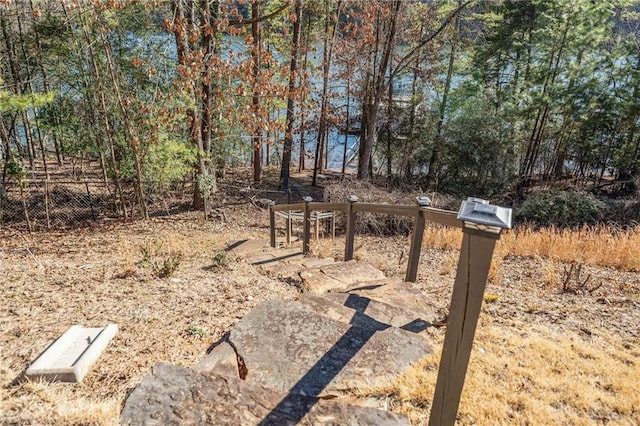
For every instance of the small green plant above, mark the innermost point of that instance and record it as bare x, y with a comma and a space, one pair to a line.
197, 331
168, 267
220, 259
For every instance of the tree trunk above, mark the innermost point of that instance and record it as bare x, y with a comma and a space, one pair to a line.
370, 110
433, 160
288, 135
346, 126
197, 38
16, 83
303, 108
408, 153
103, 112
207, 176
128, 126
256, 56
28, 87
533, 148
4, 135
326, 67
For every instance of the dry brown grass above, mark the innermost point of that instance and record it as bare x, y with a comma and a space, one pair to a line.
52, 280
598, 246
524, 374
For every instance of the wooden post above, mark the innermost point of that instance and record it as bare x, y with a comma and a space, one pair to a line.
416, 247
316, 228
468, 291
351, 228
272, 225
306, 226
289, 227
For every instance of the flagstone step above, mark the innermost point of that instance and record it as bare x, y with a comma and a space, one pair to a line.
288, 347
172, 395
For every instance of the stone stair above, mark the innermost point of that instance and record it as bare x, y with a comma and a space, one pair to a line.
297, 361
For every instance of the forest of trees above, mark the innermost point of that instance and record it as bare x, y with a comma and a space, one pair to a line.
465, 97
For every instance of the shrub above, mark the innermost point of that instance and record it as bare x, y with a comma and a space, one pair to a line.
168, 267
220, 259
197, 331
561, 208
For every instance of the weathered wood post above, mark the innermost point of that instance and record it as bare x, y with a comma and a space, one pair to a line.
351, 228
482, 224
289, 227
272, 223
306, 226
416, 240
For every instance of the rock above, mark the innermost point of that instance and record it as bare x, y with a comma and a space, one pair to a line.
403, 295
346, 307
352, 272
172, 395
315, 262
260, 258
221, 360
337, 276
292, 268
288, 347
315, 281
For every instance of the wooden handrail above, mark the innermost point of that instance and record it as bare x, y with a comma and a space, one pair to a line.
442, 217
421, 215
328, 206
390, 209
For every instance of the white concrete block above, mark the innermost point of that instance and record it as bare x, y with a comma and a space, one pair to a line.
69, 358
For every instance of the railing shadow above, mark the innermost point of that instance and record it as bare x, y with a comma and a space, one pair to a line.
276, 259
363, 328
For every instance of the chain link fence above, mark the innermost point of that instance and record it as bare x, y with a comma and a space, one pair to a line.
39, 205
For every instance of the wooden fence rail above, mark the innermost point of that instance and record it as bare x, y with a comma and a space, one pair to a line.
420, 214
481, 225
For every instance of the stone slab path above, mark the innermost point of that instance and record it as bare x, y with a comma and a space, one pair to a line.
296, 362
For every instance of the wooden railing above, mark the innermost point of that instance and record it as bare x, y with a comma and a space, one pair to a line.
478, 243
420, 214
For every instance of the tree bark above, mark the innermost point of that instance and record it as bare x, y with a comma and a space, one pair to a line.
103, 112
303, 107
134, 141
326, 67
371, 109
433, 160
288, 136
46, 86
256, 51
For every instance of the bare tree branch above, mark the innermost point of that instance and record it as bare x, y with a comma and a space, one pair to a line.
260, 18
404, 62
